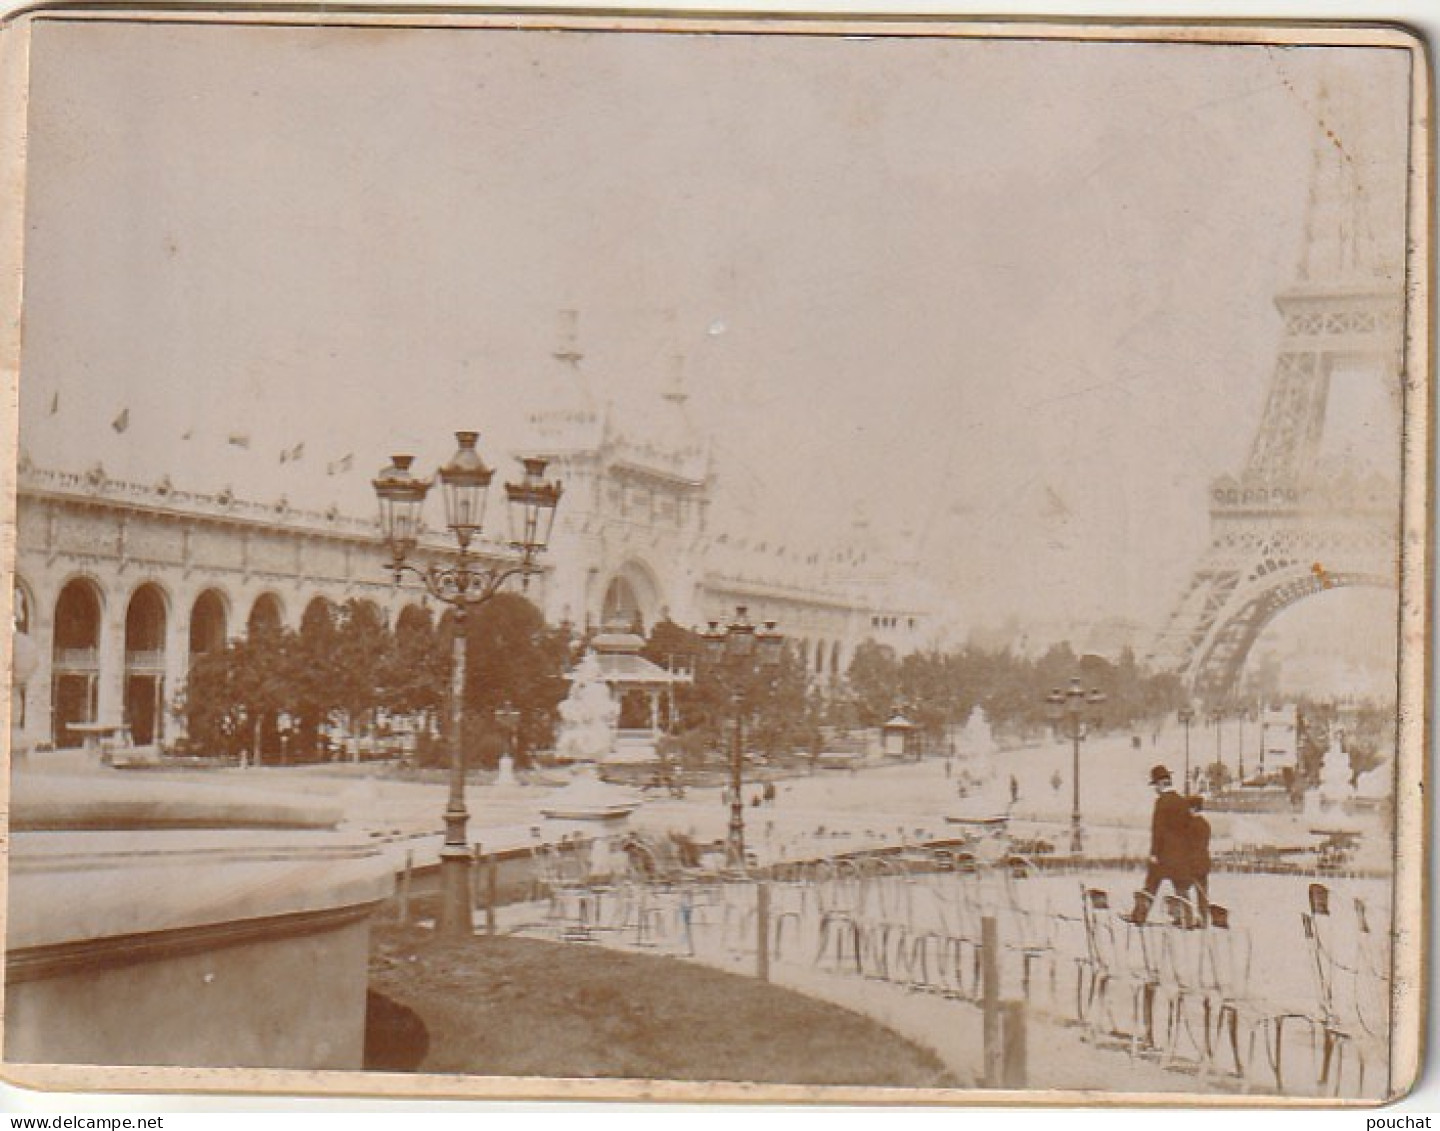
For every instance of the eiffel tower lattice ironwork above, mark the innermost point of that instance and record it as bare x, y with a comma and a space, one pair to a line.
1292, 524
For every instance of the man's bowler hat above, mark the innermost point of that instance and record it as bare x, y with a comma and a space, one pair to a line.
1158, 774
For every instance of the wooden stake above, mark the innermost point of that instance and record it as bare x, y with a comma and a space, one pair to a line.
762, 927
990, 999
1014, 1019
404, 896
492, 894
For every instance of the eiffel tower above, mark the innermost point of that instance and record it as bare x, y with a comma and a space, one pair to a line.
1294, 524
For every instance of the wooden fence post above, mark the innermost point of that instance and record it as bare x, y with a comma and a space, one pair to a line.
762, 928
477, 857
492, 894
1013, 1072
403, 901
990, 999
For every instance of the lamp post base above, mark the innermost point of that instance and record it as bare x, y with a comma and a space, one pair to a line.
735, 842
456, 919
1077, 839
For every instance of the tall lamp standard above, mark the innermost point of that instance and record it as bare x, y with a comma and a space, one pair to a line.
1240, 744
1217, 716
738, 651
1075, 706
1186, 717
464, 584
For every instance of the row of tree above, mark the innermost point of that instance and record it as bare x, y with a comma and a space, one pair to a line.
279, 690
346, 670
939, 690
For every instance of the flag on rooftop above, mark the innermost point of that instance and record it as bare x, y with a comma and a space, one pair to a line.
290, 455
239, 439
342, 464
121, 422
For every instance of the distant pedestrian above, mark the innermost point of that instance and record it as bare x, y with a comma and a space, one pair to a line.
1169, 851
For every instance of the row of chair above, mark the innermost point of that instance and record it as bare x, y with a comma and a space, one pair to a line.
1182, 989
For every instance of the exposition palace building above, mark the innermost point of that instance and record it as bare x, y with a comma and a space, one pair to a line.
120, 585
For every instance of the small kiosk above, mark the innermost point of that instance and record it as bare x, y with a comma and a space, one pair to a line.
897, 737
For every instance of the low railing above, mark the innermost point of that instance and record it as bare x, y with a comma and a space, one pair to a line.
77, 659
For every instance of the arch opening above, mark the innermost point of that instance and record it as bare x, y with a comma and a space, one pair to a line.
266, 616
145, 620
622, 608
1340, 644
1221, 662
208, 629
75, 661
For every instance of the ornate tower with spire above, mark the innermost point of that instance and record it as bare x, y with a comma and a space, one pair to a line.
627, 542
1292, 523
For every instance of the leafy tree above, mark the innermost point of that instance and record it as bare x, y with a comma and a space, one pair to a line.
210, 703
512, 658
873, 682
232, 697
415, 668
314, 690
929, 692
701, 706
779, 707
359, 641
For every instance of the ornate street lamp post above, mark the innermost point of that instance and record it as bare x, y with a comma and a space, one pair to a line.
1075, 706
464, 585
1186, 716
739, 651
1217, 716
1240, 745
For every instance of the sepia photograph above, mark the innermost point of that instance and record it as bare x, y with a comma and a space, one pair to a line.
618, 557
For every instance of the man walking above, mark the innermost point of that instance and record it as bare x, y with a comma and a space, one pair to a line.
1169, 854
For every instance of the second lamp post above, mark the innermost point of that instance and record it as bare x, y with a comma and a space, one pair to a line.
739, 651
463, 584
1186, 715
1077, 707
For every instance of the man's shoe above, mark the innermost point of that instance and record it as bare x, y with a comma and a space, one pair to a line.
1141, 910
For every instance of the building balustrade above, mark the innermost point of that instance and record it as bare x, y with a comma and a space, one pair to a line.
77, 659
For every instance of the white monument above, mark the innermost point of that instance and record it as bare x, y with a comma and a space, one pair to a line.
587, 716
977, 737
1335, 786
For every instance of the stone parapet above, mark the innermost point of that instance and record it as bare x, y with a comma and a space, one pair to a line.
168, 923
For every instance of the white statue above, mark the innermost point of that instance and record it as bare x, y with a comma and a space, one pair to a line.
976, 737
587, 716
1334, 788
1335, 771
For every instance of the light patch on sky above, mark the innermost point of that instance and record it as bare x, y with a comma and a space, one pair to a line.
1013, 300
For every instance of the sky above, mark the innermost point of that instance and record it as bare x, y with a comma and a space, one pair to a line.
1013, 300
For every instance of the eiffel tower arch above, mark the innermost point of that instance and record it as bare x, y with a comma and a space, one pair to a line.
1295, 523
